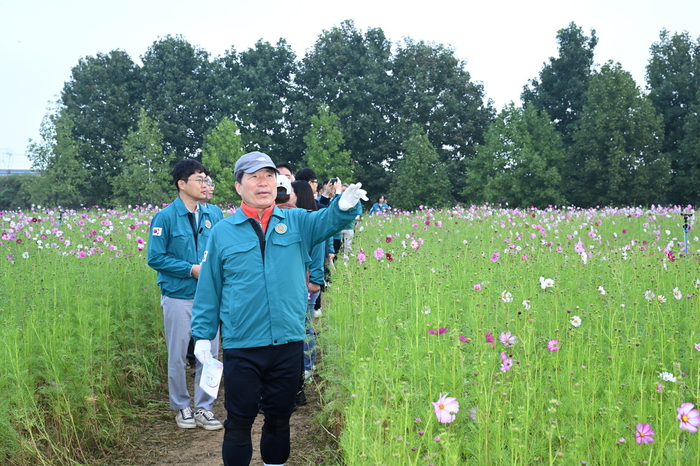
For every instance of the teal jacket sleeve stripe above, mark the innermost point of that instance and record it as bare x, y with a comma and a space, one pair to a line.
207, 299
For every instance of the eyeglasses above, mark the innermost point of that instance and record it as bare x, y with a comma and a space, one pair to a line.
313, 181
201, 181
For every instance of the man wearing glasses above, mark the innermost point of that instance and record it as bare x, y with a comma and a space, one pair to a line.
178, 239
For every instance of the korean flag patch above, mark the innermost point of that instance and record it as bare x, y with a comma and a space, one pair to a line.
157, 231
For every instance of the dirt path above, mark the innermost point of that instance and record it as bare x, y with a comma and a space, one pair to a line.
162, 443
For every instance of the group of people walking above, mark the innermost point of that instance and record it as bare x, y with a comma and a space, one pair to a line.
250, 281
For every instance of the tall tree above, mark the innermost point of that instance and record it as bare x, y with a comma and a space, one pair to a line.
686, 177
63, 178
323, 147
520, 163
101, 99
433, 89
145, 178
222, 149
616, 156
348, 70
673, 78
420, 178
178, 93
563, 82
255, 90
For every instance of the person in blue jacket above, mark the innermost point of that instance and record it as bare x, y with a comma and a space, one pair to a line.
253, 285
176, 245
380, 206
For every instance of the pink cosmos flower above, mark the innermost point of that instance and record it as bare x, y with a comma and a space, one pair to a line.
464, 339
82, 254
553, 345
689, 417
644, 433
495, 256
361, 257
378, 253
477, 287
508, 339
445, 408
507, 362
697, 346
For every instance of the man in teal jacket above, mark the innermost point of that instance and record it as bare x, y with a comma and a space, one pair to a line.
178, 238
253, 284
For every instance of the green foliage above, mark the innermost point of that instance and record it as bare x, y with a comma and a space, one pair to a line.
420, 178
102, 99
673, 76
14, 192
616, 157
434, 89
348, 70
323, 147
563, 82
222, 149
258, 83
63, 179
520, 163
178, 93
686, 178
145, 178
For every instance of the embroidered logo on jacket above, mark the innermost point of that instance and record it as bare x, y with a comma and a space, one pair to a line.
281, 228
207, 224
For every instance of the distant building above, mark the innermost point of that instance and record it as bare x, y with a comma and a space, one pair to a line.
17, 171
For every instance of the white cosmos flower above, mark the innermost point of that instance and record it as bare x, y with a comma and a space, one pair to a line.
575, 321
667, 377
506, 296
648, 294
526, 303
661, 298
546, 283
602, 290
677, 293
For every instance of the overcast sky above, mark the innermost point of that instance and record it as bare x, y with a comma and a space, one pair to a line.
504, 43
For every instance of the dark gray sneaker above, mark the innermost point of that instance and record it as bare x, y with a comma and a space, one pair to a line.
184, 419
206, 420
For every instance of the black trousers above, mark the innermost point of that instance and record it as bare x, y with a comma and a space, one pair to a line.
265, 378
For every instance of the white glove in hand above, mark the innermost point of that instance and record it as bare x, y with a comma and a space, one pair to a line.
349, 198
202, 351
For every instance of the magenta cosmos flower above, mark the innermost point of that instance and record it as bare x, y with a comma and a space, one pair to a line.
507, 362
445, 408
439, 331
689, 417
553, 345
644, 433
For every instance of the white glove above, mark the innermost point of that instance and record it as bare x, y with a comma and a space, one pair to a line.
349, 198
202, 351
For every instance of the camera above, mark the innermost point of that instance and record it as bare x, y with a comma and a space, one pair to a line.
333, 180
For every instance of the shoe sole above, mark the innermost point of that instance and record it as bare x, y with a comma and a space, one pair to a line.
186, 426
219, 427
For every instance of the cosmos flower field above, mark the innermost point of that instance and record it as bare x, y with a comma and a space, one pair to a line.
491, 336
480, 335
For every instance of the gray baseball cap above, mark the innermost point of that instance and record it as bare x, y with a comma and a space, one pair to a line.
252, 162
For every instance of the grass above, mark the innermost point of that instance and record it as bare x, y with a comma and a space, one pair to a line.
81, 336
570, 406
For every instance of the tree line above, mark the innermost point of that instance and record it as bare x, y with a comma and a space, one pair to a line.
406, 120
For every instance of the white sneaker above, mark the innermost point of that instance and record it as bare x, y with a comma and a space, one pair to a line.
206, 420
317, 313
307, 376
184, 419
